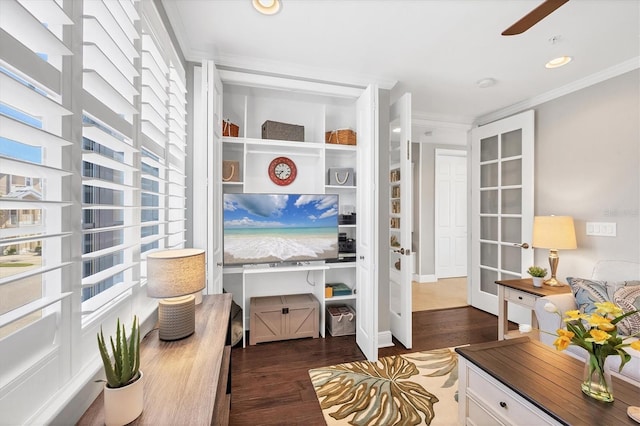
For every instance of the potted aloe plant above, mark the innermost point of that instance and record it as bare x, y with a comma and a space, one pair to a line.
123, 390
537, 274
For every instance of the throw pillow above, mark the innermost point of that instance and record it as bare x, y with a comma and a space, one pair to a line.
628, 298
587, 292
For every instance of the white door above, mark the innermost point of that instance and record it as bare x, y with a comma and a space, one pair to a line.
502, 208
451, 213
366, 232
400, 208
213, 113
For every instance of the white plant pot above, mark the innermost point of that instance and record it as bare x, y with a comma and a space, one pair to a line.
123, 405
537, 281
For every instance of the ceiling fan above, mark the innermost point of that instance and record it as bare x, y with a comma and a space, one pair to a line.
533, 17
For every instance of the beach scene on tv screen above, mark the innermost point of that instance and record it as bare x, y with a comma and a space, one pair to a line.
273, 228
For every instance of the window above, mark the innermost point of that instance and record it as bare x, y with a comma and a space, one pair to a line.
91, 179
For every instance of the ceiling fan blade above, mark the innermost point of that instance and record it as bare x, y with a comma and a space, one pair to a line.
533, 17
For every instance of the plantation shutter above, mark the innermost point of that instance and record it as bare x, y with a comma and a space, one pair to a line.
109, 172
32, 236
177, 148
154, 115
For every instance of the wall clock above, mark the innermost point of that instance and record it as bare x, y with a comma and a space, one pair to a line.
282, 171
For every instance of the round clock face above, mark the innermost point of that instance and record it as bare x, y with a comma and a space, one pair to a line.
282, 171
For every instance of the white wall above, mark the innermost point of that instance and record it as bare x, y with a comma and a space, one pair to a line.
587, 158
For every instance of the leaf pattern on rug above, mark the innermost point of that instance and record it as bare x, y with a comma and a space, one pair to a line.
443, 361
375, 393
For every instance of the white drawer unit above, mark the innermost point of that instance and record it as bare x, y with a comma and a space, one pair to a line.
520, 297
484, 401
524, 382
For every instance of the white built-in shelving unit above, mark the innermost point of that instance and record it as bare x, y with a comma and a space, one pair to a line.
249, 107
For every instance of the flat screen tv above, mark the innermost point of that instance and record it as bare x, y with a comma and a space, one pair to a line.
277, 228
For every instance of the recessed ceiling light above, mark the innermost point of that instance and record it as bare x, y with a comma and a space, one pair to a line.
486, 82
558, 62
267, 7
396, 130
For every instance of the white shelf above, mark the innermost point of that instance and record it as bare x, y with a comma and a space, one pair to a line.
261, 269
341, 265
340, 298
337, 147
340, 187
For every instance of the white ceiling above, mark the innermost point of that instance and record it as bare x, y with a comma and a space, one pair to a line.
435, 49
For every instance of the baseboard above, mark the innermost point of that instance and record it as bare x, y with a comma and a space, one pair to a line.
385, 339
431, 278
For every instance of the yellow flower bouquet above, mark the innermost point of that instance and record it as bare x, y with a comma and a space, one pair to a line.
597, 333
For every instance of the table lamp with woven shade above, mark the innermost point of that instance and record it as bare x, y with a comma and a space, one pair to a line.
173, 276
554, 233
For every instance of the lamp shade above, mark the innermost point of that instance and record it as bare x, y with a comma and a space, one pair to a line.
173, 273
554, 232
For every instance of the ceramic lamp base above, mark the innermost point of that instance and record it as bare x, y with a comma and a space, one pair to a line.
177, 317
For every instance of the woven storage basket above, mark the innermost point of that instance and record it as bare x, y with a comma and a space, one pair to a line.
341, 137
341, 320
229, 129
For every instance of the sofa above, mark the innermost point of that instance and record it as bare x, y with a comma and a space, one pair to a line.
607, 278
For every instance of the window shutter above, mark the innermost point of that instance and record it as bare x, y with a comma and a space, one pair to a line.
31, 174
108, 153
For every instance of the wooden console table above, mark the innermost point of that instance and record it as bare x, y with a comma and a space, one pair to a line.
187, 380
522, 381
522, 293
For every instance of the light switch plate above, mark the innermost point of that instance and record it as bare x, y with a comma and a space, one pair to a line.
601, 229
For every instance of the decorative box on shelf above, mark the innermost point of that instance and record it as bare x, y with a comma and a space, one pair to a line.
230, 171
341, 176
341, 137
282, 131
230, 129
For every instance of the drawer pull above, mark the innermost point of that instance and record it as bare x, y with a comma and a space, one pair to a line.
520, 297
503, 404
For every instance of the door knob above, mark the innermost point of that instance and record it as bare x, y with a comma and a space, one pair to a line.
521, 245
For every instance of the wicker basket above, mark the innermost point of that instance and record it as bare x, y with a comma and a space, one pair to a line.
229, 129
341, 137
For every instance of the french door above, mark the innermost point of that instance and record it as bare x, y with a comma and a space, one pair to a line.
208, 157
366, 239
501, 208
400, 208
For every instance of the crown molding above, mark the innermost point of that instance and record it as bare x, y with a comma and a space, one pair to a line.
591, 80
428, 121
302, 72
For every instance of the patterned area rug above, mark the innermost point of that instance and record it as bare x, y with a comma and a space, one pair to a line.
410, 389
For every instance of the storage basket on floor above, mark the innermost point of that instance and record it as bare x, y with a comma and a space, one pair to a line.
291, 316
341, 320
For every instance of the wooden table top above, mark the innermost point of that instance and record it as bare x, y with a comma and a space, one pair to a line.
526, 284
551, 380
180, 376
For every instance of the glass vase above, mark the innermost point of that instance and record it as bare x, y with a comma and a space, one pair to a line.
597, 379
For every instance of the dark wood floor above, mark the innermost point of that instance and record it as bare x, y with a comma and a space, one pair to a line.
270, 381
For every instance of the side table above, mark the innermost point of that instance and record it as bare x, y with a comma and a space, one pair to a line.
522, 293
